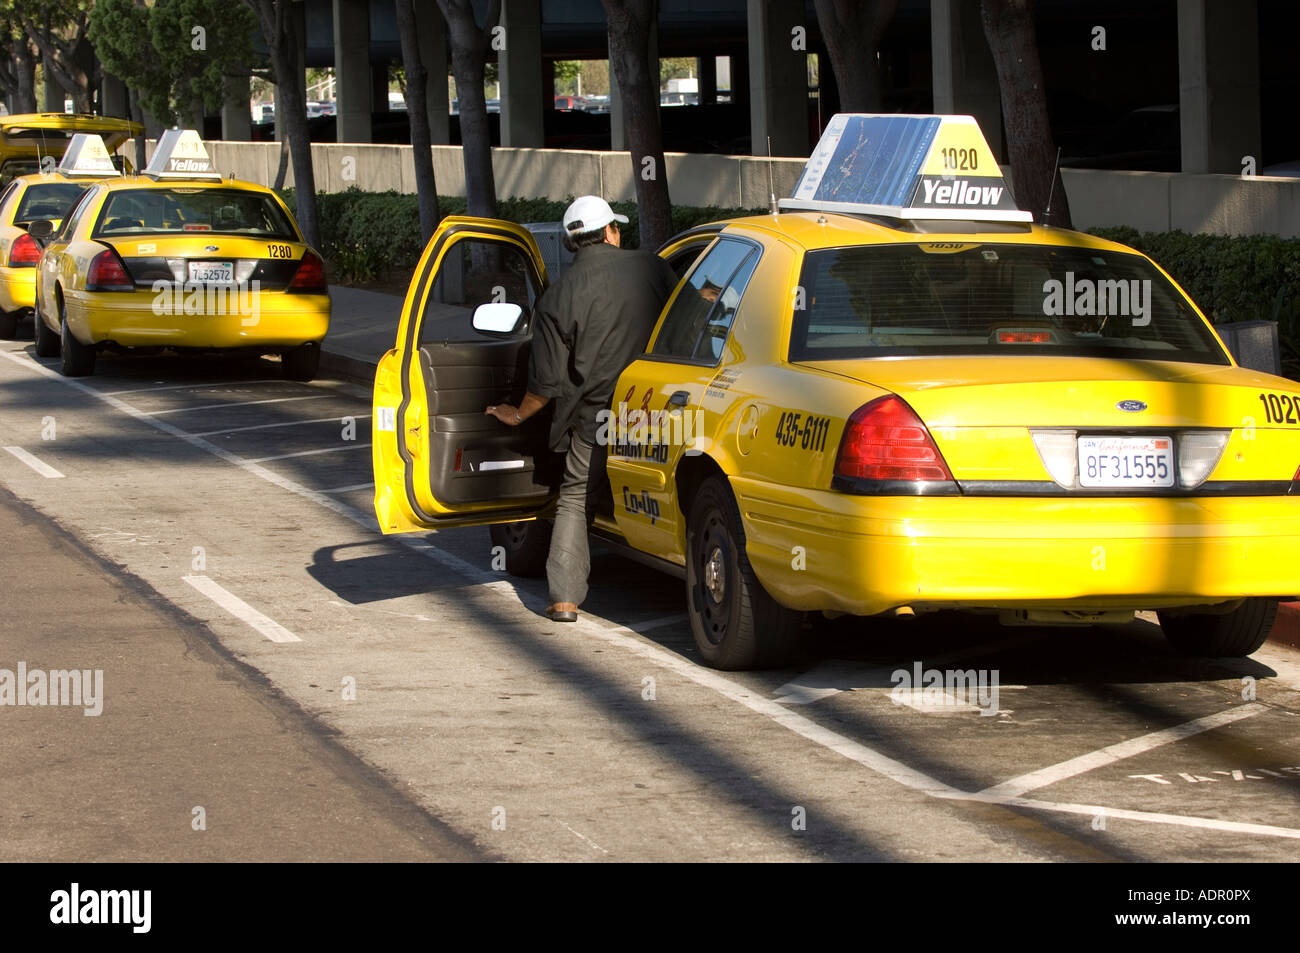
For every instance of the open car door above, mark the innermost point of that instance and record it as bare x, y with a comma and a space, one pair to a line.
439, 460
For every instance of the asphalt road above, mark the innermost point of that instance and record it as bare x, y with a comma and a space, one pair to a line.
324, 691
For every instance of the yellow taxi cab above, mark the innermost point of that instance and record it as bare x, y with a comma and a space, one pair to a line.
36, 197
34, 142
180, 258
893, 395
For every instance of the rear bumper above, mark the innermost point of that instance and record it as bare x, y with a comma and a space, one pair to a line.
866, 555
143, 319
17, 288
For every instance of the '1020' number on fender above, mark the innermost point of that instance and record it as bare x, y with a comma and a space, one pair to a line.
1280, 408
809, 434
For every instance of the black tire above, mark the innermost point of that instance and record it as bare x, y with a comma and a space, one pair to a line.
302, 363
76, 359
736, 623
8, 325
1234, 634
526, 544
47, 342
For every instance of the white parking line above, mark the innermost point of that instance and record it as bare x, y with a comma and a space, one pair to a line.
191, 386
630, 641
240, 403
349, 489
1117, 752
241, 609
312, 453
44, 469
286, 423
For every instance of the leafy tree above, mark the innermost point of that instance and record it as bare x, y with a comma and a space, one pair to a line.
193, 45
567, 73
630, 23
58, 29
17, 64
1009, 27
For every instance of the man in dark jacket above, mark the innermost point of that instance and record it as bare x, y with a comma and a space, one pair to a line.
589, 326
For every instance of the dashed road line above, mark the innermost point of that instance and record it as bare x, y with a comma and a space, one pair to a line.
286, 423
239, 403
190, 386
241, 610
349, 489
44, 469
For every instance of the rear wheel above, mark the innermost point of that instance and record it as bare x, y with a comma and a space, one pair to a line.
302, 363
526, 546
47, 342
735, 622
8, 324
78, 360
1234, 634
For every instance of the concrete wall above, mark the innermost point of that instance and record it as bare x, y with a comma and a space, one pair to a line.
1148, 201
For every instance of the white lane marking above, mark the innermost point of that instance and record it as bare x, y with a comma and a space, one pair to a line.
311, 453
239, 403
630, 641
191, 386
288, 423
837, 676
44, 469
241, 610
1117, 752
583, 837
349, 489
1147, 817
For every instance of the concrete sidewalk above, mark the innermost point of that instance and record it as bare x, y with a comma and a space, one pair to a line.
363, 325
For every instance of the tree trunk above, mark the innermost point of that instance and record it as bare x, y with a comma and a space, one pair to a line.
630, 23
852, 30
1009, 27
291, 109
417, 98
25, 70
136, 113
468, 53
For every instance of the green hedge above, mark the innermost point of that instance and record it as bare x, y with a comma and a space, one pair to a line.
1245, 278
374, 235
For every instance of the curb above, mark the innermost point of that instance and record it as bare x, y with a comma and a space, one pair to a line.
345, 366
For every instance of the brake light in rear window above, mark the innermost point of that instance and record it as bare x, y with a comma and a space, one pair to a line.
1025, 337
310, 277
887, 449
24, 252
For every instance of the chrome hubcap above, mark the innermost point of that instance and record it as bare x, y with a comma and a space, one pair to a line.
715, 578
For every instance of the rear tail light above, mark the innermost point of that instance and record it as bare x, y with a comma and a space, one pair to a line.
24, 252
107, 273
886, 444
310, 276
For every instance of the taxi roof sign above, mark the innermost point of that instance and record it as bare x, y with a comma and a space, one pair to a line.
905, 166
180, 154
87, 155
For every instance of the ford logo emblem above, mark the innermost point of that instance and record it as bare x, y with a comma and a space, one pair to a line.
1131, 406
214, 248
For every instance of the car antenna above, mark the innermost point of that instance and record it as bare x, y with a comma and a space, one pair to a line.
771, 182
1052, 191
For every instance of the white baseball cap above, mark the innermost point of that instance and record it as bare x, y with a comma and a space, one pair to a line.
589, 213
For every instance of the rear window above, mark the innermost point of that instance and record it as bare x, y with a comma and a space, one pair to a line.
181, 209
50, 201
972, 298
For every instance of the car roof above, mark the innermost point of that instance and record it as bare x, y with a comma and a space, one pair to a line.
815, 230
118, 183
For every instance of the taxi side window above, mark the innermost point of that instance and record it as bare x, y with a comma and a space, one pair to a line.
696, 327
5, 196
473, 272
74, 216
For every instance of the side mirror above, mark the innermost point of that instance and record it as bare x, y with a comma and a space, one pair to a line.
41, 230
497, 318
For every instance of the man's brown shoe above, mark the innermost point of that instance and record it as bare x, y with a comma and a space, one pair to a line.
562, 612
